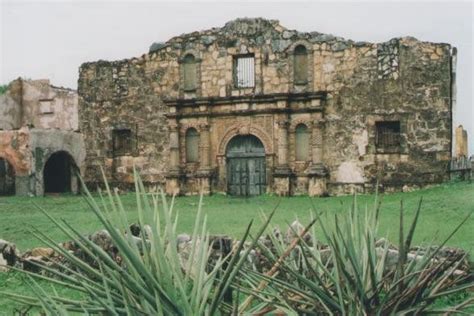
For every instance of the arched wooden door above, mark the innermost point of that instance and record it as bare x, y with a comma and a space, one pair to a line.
245, 166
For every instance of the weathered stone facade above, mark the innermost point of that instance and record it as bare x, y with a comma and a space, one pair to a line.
39, 122
331, 115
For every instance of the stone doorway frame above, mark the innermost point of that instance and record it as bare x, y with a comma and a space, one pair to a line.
244, 130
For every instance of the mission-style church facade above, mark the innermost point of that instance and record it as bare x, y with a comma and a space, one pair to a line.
253, 108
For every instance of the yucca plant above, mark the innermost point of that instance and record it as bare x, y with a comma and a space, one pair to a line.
355, 274
152, 278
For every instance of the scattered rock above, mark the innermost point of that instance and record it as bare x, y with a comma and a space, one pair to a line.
42, 252
183, 238
8, 254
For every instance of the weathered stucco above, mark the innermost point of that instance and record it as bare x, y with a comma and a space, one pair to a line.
38, 120
350, 87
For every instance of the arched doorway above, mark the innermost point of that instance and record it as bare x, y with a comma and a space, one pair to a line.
57, 173
245, 166
7, 178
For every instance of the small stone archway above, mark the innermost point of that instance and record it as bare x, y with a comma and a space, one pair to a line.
241, 129
59, 173
7, 178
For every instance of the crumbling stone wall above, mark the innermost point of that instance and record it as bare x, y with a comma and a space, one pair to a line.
124, 95
36, 103
419, 98
37, 121
350, 88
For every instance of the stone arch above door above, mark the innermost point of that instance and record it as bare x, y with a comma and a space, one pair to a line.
242, 129
58, 173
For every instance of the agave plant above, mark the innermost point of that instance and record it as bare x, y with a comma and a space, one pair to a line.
355, 274
152, 278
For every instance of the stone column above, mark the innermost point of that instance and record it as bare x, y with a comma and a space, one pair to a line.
205, 147
174, 172
283, 143
204, 173
317, 172
317, 143
282, 173
174, 146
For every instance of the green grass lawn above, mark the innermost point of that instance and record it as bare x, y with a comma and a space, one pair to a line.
444, 206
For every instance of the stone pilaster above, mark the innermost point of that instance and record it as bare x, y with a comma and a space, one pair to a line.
174, 171
205, 146
317, 172
174, 145
317, 143
204, 174
283, 143
282, 173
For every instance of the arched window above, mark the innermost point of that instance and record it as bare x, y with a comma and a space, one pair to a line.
192, 145
302, 142
189, 72
300, 65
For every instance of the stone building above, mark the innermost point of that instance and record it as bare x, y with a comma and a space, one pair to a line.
253, 107
40, 147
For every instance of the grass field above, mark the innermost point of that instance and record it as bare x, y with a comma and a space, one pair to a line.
444, 206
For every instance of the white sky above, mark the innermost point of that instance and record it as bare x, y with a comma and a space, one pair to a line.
50, 39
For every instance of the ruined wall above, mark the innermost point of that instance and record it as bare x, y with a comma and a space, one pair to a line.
45, 106
10, 106
123, 94
36, 103
38, 120
366, 85
461, 141
401, 80
27, 151
14, 148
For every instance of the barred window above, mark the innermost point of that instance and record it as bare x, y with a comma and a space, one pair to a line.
302, 142
192, 145
244, 71
122, 141
300, 65
189, 73
388, 135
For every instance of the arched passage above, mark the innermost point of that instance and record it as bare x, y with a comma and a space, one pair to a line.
7, 178
245, 156
58, 173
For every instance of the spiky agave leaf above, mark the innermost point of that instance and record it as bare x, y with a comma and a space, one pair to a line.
355, 278
151, 279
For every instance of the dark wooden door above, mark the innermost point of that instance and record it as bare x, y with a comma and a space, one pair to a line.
245, 166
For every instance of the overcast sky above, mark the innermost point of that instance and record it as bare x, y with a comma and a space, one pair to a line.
50, 39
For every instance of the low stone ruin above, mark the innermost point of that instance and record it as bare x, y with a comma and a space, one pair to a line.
33, 259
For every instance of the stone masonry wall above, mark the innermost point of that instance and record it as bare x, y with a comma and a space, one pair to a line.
123, 95
36, 121
403, 80
419, 97
38, 104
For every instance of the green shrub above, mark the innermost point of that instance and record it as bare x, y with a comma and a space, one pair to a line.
3, 89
